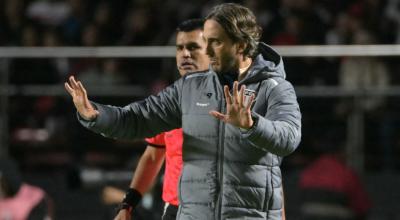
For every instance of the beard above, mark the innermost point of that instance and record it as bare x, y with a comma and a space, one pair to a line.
226, 64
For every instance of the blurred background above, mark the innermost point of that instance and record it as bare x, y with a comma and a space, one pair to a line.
350, 105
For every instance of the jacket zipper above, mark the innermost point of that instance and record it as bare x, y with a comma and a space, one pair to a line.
220, 162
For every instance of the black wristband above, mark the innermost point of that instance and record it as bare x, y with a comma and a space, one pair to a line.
132, 198
122, 206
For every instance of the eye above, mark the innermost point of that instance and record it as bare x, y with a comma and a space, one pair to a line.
193, 47
179, 47
216, 42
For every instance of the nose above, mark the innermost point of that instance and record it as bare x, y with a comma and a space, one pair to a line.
186, 53
209, 51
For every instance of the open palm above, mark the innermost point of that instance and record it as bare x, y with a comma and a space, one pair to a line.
80, 99
238, 112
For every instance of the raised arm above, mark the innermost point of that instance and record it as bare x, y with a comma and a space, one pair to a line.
279, 131
145, 118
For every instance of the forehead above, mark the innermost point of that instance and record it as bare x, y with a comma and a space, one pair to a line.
191, 36
212, 29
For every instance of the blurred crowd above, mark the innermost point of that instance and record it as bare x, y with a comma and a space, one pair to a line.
151, 22
142, 22
139, 22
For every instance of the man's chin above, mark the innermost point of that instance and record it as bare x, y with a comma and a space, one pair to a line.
188, 69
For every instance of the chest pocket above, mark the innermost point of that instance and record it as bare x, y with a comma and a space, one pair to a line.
203, 103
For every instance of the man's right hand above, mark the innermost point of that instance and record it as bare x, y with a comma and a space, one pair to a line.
80, 99
123, 214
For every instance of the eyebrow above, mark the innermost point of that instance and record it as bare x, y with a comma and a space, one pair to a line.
213, 39
191, 43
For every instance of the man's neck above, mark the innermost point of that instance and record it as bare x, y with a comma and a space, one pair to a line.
243, 67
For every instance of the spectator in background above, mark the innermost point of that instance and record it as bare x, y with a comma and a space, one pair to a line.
341, 32
364, 72
32, 71
90, 36
108, 74
48, 12
372, 17
392, 12
19, 200
107, 27
290, 35
260, 11
330, 189
73, 24
369, 73
297, 18
138, 29
12, 21
51, 38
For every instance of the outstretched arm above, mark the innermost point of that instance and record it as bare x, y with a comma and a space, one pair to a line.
153, 115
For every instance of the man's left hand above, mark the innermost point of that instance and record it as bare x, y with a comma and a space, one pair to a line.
238, 110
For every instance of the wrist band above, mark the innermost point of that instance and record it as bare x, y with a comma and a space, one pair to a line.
132, 197
122, 206
130, 201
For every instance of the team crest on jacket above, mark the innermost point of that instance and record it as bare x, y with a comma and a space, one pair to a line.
247, 95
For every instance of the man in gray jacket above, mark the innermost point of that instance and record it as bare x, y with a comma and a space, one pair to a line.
239, 119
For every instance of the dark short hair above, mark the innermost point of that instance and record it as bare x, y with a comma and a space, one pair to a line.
239, 23
190, 25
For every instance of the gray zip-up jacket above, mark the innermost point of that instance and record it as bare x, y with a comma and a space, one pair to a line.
228, 173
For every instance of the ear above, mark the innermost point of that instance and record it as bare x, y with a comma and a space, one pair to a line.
240, 47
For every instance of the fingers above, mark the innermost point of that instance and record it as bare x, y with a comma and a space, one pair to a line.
238, 96
69, 89
228, 95
217, 115
73, 83
235, 92
85, 99
250, 102
74, 86
80, 86
241, 96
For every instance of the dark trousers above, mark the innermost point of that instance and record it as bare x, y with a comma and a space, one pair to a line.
170, 212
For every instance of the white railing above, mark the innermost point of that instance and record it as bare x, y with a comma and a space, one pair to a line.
169, 51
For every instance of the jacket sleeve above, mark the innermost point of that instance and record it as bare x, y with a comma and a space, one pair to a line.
145, 118
279, 131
